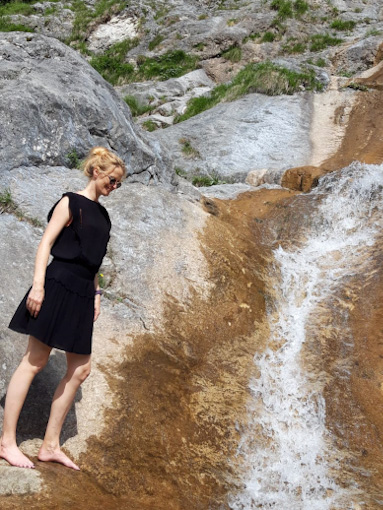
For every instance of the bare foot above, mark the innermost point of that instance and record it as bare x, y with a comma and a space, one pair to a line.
56, 456
15, 457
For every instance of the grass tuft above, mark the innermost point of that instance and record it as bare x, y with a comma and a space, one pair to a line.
265, 78
343, 25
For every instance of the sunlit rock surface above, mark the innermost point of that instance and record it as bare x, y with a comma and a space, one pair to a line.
54, 106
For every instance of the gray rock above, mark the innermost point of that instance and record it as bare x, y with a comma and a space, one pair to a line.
232, 139
358, 57
18, 481
53, 103
170, 96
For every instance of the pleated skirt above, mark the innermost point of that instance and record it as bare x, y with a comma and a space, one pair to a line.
65, 320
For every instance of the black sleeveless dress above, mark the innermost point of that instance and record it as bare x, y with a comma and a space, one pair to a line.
65, 320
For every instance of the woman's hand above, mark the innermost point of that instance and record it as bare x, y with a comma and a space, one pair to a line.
35, 300
97, 306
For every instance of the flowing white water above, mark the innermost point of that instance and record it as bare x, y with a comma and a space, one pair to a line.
287, 451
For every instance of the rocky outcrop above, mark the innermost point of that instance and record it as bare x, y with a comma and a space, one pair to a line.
54, 107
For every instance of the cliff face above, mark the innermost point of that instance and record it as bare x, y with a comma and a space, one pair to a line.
159, 422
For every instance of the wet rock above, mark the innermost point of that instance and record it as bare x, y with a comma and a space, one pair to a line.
55, 106
302, 178
225, 191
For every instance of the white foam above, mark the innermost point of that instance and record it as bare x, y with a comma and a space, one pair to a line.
286, 451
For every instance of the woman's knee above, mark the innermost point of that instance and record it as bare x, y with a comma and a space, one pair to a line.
36, 356
78, 369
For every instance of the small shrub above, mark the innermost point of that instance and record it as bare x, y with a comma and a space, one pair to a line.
155, 42
357, 86
342, 25
202, 16
284, 8
171, 64
300, 7
180, 171
149, 125
234, 54
137, 108
206, 180
111, 65
6, 25
320, 62
73, 159
268, 37
321, 41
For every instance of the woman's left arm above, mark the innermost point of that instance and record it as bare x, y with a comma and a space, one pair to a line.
97, 299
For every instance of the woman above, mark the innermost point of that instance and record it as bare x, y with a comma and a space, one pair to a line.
62, 304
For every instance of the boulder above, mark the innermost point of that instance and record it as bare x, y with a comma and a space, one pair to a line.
232, 139
54, 106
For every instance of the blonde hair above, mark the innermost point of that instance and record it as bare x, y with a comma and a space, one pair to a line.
102, 158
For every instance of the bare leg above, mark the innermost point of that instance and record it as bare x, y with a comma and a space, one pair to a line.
77, 371
34, 360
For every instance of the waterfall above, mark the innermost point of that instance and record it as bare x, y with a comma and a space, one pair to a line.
288, 456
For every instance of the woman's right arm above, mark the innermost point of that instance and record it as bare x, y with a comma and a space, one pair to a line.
60, 218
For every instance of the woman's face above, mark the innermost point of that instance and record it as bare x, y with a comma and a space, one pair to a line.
108, 181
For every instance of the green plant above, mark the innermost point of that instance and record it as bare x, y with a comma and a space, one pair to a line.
234, 54
111, 65
199, 46
345, 73
8, 205
265, 78
343, 25
137, 108
73, 159
232, 21
320, 62
12, 8
155, 42
300, 7
171, 64
180, 171
206, 180
268, 37
284, 8
358, 10
202, 16
321, 41
293, 46
149, 125
357, 86
6, 25
188, 149
101, 280
372, 32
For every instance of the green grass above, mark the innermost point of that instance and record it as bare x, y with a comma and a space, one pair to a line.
149, 125
73, 159
188, 150
12, 8
8, 205
321, 41
137, 108
234, 54
111, 64
6, 25
293, 46
373, 32
288, 9
155, 42
342, 25
357, 86
205, 180
268, 37
265, 78
172, 64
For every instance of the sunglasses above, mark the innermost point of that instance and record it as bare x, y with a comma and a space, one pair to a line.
114, 182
